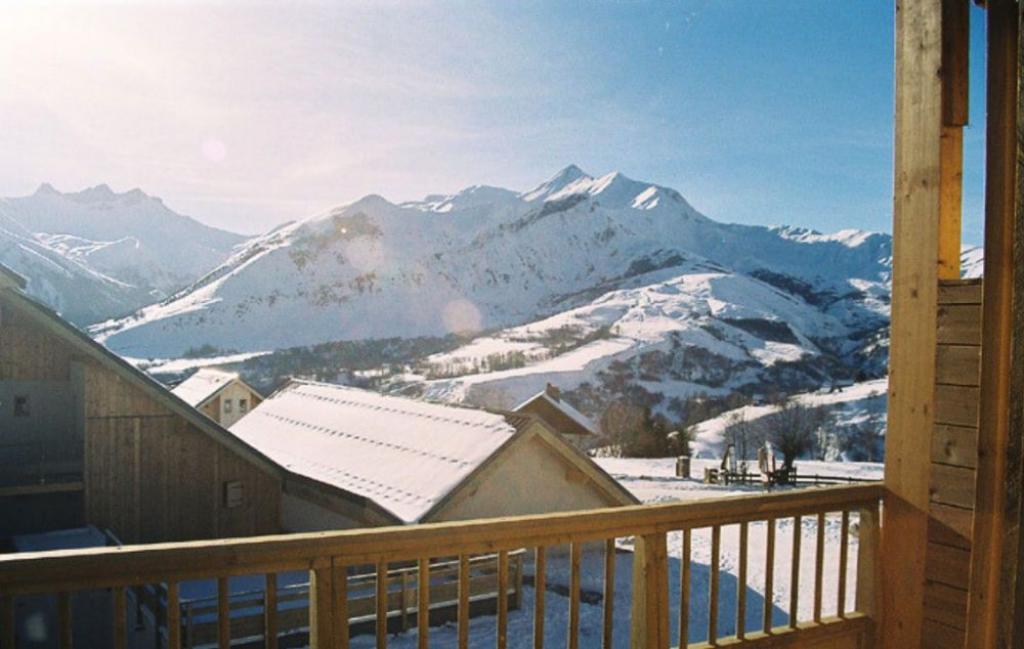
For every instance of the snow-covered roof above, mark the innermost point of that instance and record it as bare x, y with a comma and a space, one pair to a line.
551, 397
203, 385
404, 455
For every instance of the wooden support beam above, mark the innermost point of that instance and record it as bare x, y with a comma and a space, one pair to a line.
650, 593
916, 218
955, 76
995, 561
956, 37
951, 201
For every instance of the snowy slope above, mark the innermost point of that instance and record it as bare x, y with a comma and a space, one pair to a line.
849, 407
689, 329
130, 238
488, 258
79, 293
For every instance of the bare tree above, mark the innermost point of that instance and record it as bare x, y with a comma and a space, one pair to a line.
793, 430
861, 443
744, 434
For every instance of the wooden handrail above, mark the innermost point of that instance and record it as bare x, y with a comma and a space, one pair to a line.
129, 565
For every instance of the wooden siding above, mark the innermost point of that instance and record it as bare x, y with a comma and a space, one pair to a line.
954, 455
149, 474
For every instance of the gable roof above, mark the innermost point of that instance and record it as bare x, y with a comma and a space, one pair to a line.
402, 454
549, 405
204, 385
107, 359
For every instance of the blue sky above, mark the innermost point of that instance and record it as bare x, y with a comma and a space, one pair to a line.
244, 116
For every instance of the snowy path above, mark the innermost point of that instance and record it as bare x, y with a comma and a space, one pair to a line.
652, 481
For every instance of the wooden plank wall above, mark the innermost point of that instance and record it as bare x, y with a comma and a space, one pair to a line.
954, 460
153, 476
149, 474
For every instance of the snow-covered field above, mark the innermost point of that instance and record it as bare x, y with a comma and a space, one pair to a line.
654, 481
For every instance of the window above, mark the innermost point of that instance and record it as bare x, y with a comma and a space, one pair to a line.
21, 407
234, 494
227, 405
243, 405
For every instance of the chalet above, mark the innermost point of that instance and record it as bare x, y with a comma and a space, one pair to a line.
368, 459
560, 416
930, 557
222, 396
88, 438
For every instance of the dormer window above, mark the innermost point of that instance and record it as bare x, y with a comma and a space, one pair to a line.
227, 405
243, 405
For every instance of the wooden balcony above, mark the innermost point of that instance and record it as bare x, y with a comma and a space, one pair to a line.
328, 558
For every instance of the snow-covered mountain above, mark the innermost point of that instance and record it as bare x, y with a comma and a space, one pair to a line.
488, 258
96, 253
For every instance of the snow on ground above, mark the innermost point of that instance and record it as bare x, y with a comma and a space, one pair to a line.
653, 480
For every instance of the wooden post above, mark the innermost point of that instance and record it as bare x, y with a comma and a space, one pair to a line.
995, 559
916, 219
650, 593
321, 609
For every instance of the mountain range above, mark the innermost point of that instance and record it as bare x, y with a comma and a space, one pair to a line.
605, 285
97, 253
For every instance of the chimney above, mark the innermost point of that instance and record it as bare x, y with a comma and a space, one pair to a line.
553, 392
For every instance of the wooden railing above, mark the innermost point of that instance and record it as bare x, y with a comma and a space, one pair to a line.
247, 608
328, 556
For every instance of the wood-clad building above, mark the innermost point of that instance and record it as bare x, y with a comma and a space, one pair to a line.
222, 396
549, 406
361, 459
85, 425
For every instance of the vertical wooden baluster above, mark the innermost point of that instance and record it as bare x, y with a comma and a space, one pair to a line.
517, 579
270, 611
120, 619
463, 621
223, 613
64, 619
794, 575
844, 545
173, 616
6, 622
574, 596
867, 558
341, 604
540, 583
684, 590
502, 599
403, 600
190, 628
716, 547
609, 593
423, 604
819, 564
769, 573
381, 601
741, 586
